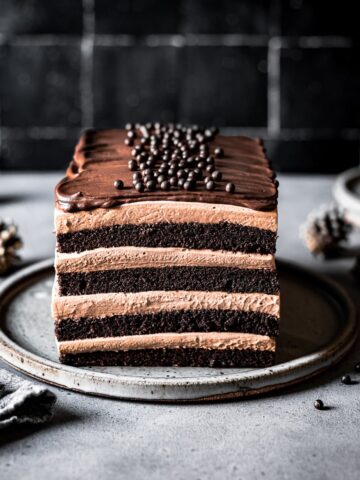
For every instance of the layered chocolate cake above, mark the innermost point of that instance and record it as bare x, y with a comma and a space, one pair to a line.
165, 250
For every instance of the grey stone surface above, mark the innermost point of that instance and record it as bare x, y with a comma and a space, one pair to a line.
280, 436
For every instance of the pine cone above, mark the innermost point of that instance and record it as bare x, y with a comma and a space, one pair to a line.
9, 244
325, 230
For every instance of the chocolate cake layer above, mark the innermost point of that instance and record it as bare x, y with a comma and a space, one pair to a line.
181, 357
167, 322
169, 278
220, 236
101, 157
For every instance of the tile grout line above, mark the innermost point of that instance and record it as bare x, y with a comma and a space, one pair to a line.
174, 40
273, 74
1, 114
274, 95
87, 59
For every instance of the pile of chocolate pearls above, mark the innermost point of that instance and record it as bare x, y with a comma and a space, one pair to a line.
169, 156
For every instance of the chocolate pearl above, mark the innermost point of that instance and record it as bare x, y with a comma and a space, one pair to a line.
198, 173
119, 184
191, 175
155, 174
219, 152
189, 185
132, 165
190, 161
182, 164
208, 133
137, 176
136, 150
131, 134
201, 165
210, 168
210, 185
155, 152
319, 404
129, 126
163, 170
157, 125
142, 166
357, 367
216, 175
181, 174
161, 178
346, 379
173, 181
139, 187
165, 185
181, 182
230, 188
149, 125
148, 172
150, 185
210, 160
150, 162
147, 178
208, 179
171, 172
129, 142
203, 155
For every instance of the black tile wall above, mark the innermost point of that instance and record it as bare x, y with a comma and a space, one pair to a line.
209, 75
287, 70
40, 85
225, 16
137, 17
320, 88
320, 17
325, 156
41, 16
37, 154
136, 83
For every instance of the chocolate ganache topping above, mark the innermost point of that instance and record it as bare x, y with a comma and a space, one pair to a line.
166, 163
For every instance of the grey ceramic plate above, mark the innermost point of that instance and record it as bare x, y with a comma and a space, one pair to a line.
318, 328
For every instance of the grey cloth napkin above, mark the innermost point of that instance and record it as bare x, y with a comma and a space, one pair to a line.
22, 401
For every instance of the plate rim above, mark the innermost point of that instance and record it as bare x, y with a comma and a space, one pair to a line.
18, 357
